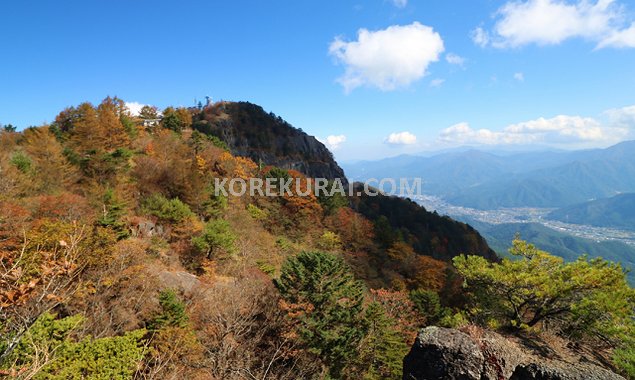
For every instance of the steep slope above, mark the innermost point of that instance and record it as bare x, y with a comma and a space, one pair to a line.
429, 233
116, 248
264, 137
617, 212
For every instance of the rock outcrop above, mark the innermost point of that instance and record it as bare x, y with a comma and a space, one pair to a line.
449, 354
251, 132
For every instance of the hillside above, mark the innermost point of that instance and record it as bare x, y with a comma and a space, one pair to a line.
429, 233
116, 243
616, 212
251, 132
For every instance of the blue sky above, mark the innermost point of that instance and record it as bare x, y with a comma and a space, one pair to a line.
380, 77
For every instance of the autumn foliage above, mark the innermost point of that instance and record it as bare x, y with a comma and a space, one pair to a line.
113, 234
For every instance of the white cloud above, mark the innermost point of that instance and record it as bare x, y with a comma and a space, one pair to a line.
622, 117
401, 138
550, 22
480, 37
437, 82
455, 59
134, 107
462, 133
620, 38
400, 3
561, 127
333, 142
519, 77
561, 130
387, 59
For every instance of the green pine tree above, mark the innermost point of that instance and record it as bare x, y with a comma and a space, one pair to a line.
172, 313
383, 349
112, 214
322, 287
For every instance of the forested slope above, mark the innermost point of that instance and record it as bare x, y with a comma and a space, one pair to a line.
120, 259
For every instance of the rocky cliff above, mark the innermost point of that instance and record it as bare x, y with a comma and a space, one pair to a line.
264, 137
449, 354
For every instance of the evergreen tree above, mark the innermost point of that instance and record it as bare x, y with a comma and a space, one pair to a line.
332, 200
47, 350
176, 119
9, 128
384, 234
172, 312
383, 349
216, 235
428, 303
113, 212
327, 303
588, 296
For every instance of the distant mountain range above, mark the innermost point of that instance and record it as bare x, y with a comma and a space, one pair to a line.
615, 212
482, 180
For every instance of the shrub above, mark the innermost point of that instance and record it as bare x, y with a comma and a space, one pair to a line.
624, 359
256, 212
266, 267
216, 235
167, 210
172, 312
217, 142
330, 241
47, 351
21, 161
278, 173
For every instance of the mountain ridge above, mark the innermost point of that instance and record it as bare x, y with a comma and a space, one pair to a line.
251, 132
484, 180
616, 212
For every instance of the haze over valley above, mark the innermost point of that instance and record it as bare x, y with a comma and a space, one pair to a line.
580, 198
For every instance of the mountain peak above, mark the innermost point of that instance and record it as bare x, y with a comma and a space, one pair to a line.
263, 136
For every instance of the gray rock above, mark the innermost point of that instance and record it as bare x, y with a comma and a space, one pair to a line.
276, 143
182, 281
144, 228
501, 356
441, 353
562, 371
